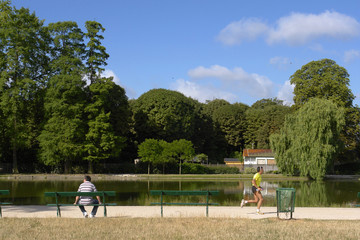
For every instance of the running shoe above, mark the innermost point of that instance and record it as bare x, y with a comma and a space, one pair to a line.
242, 203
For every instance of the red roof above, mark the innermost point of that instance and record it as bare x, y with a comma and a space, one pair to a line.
257, 152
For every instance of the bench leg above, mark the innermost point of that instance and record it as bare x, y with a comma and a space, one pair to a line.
207, 204
0, 211
58, 212
161, 204
105, 212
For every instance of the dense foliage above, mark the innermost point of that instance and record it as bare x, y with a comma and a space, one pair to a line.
56, 109
327, 80
309, 141
159, 152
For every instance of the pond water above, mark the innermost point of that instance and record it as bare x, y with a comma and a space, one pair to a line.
331, 193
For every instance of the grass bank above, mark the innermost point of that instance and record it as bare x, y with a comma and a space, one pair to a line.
174, 228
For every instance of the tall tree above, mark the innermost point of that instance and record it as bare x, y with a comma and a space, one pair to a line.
108, 116
211, 106
62, 139
310, 139
231, 121
322, 79
164, 114
326, 79
264, 118
96, 54
23, 68
107, 108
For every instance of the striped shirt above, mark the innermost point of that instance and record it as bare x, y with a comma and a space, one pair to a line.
86, 187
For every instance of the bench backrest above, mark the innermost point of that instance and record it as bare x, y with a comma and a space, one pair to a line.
4, 192
183, 193
74, 194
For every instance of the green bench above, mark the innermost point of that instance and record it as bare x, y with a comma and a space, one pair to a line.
358, 195
163, 193
102, 194
4, 192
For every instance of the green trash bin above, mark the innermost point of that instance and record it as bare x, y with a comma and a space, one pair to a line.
285, 199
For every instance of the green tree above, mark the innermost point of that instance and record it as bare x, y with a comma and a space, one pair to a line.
107, 108
322, 79
107, 115
310, 140
326, 79
96, 54
23, 66
211, 106
179, 151
164, 114
62, 139
151, 151
230, 119
264, 118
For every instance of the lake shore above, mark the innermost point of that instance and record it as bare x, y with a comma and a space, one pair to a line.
119, 177
63, 177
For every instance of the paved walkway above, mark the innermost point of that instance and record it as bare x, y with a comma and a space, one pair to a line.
32, 211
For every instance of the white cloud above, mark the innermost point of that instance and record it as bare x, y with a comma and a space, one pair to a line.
202, 92
286, 93
295, 29
237, 32
351, 55
280, 62
237, 79
299, 28
109, 73
231, 85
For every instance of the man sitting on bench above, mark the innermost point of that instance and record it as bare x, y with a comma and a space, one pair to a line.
87, 186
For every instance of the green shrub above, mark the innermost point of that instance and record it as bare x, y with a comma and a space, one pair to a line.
250, 170
223, 170
193, 168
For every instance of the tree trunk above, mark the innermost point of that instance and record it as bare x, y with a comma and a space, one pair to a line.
90, 168
15, 163
180, 168
148, 168
67, 167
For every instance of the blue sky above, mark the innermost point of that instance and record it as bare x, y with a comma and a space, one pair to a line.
240, 51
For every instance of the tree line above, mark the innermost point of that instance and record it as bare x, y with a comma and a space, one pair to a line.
56, 108
58, 114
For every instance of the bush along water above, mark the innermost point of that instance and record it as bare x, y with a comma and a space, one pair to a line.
193, 168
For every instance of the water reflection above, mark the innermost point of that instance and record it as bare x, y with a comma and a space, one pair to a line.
136, 192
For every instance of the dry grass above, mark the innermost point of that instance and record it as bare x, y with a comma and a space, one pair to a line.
176, 228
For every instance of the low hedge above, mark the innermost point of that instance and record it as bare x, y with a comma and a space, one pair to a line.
193, 168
